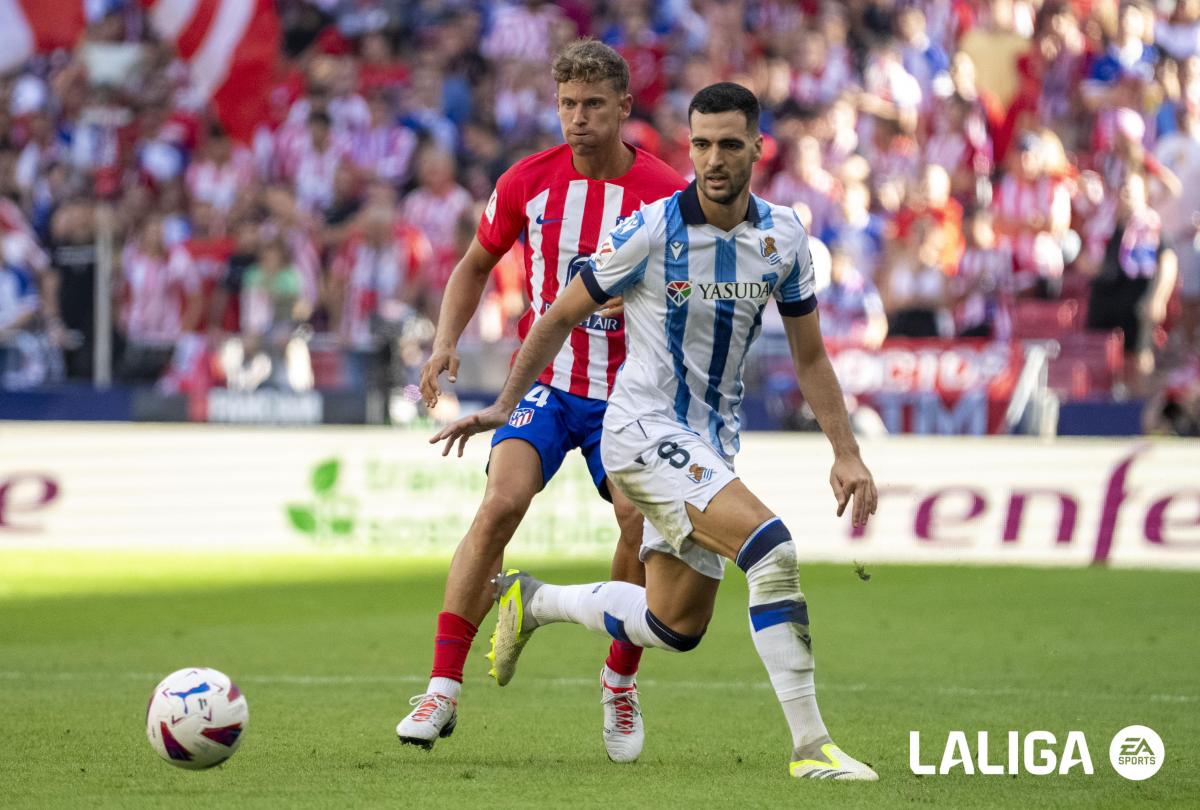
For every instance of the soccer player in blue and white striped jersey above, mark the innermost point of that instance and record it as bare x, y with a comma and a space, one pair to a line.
696, 270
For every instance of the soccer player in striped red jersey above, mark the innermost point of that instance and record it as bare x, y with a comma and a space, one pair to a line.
562, 201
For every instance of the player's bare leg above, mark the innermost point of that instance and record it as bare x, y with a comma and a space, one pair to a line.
626, 566
673, 610
514, 477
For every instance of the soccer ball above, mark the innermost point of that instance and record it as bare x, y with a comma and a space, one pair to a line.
196, 718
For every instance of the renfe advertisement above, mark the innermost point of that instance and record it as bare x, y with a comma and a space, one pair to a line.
985, 500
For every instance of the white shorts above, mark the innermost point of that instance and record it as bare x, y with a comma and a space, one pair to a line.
661, 466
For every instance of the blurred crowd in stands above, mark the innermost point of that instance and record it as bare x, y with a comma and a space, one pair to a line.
1007, 169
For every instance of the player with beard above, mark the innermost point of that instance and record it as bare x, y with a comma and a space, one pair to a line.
696, 271
561, 202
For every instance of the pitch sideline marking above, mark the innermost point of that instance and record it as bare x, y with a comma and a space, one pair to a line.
330, 680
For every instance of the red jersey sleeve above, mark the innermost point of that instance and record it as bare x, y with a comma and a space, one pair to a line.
504, 217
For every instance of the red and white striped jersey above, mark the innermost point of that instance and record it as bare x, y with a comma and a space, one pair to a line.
564, 216
218, 184
1034, 249
154, 292
375, 276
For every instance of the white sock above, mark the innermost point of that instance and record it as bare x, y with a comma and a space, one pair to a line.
605, 607
779, 627
616, 679
444, 686
804, 720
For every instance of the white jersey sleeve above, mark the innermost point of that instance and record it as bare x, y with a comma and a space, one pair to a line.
796, 294
620, 261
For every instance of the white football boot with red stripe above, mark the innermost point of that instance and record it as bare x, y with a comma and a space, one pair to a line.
624, 733
434, 716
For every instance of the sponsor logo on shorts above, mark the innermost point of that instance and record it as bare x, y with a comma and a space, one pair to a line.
699, 474
520, 417
679, 291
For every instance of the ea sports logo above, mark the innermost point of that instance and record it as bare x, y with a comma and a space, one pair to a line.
1136, 752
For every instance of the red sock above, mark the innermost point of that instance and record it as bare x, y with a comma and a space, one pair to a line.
451, 645
623, 657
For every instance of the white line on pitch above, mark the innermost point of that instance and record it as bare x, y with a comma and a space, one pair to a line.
654, 683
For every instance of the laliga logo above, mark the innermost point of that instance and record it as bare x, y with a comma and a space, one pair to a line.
1136, 753
1036, 752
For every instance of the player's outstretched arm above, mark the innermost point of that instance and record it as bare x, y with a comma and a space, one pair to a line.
463, 291
538, 351
849, 477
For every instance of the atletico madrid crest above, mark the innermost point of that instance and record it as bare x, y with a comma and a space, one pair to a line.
520, 417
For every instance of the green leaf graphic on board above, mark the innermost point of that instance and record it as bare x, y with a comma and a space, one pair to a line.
325, 476
341, 525
302, 517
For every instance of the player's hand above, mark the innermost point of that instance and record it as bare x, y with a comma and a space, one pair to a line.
441, 360
614, 307
489, 418
851, 480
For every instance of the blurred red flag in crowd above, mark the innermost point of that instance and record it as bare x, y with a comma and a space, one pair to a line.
231, 47
36, 26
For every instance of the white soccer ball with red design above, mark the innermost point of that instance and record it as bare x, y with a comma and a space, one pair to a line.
196, 718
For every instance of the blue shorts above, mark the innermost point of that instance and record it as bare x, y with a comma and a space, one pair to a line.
556, 422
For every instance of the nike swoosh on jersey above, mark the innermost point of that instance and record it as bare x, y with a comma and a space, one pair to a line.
541, 221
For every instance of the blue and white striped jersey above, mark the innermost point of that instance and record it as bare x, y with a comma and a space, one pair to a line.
694, 298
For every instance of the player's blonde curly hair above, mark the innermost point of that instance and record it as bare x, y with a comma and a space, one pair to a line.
589, 60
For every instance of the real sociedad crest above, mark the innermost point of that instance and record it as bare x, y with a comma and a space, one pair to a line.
766, 246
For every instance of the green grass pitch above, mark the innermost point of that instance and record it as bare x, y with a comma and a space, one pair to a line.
328, 650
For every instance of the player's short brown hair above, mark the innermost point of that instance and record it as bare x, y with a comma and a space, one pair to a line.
589, 60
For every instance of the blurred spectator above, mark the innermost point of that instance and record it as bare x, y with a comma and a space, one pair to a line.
1032, 211
856, 231
272, 305
221, 169
434, 207
1180, 153
913, 285
377, 278
158, 304
806, 181
384, 148
932, 205
983, 286
19, 305
314, 162
923, 58
994, 44
1134, 277
203, 257
70, 288
851, 308
884, 120
1127, 61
